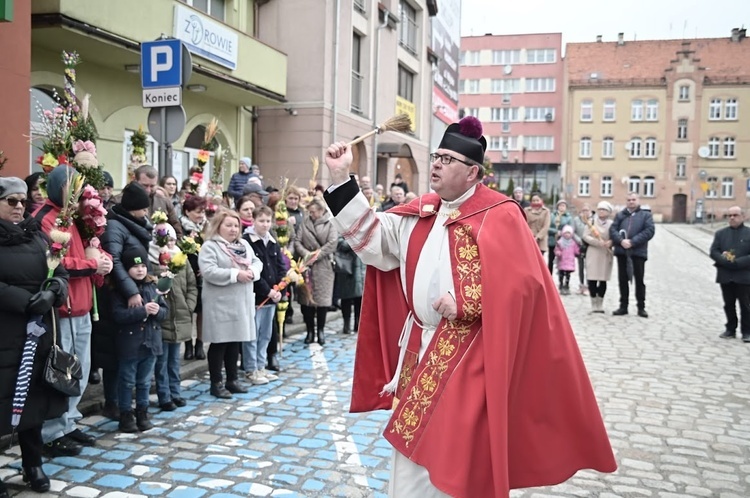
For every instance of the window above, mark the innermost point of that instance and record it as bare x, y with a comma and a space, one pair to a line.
729, 143
510, 143
408, 27
359, 6
634, 184
506, 127
713, 183
469, 86
681, 167
730, 109
635, 147
713, 147
214, 8
356, 104
506, 86
682, 129
471, 111
649, 186
587, 110
540, 84
606, 186
727, 187
650, 148
608, 147
684, 93
496, 143
539, 143
636, 110
405, 83
584, 186
652, 110
504, 114
714, 109
584, 147
609, 110
541, 56
504, 57
470, 58
540, 114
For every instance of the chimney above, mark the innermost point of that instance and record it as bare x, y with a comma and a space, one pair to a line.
743, 34
598, 38
735, 34
621, 38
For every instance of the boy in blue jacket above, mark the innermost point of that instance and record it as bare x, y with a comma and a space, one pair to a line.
138, 342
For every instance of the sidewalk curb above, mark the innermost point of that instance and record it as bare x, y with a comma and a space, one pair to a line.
689, 242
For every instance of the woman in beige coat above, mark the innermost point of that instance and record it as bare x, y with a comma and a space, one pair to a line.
599, 255
537, 216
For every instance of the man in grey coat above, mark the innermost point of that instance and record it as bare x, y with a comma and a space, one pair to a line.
630, 232
731, 254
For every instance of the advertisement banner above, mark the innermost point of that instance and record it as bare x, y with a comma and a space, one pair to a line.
205, 37
446, 43
404, 106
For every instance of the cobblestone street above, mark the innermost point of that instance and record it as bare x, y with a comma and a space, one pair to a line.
674, 396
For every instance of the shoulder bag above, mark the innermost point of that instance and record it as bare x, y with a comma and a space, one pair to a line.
62, 370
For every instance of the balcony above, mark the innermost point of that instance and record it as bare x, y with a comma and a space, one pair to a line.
111, 38
356, 104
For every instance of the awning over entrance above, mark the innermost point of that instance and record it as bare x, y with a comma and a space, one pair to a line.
391, 149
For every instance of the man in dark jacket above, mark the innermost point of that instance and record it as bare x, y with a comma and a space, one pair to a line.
731, 254
239, 179
147, 177
630, 232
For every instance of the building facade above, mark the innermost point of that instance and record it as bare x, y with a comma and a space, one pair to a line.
233, 72
661, 118
364, 62
514, 85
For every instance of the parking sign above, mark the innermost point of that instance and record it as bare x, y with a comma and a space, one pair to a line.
161, 64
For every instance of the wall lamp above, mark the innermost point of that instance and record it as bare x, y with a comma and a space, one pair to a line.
292, 112
133, 68
196, 88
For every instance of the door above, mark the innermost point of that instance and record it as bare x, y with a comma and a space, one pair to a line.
679, 208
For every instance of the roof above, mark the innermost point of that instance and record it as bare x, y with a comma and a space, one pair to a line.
646, 60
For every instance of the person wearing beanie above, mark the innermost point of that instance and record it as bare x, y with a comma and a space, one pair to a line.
566, 252
239, 179
106, 191
599, 256
138, 341
147, 177
484, 338
519, 197
557, 220
128, 229
61, 435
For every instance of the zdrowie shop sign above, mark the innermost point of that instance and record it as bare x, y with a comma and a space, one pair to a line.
205, 37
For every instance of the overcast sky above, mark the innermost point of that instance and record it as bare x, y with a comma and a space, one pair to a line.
582, 20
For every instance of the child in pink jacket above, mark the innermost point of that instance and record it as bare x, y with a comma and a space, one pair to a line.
566, 251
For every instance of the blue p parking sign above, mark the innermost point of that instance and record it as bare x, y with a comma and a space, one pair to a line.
161, 64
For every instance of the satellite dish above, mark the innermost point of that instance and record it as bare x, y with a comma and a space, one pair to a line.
504, 153
628, 145
703, 151
625, 180
508, 69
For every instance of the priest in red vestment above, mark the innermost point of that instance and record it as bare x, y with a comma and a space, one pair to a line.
464, 337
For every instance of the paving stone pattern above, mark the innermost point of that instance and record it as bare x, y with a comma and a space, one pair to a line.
674, 396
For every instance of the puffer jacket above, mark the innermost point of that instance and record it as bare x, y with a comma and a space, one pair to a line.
181, 300
637, 226
124, 232
556, 224
139, 334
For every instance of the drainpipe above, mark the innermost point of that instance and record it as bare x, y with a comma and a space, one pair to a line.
336, 38
375, 124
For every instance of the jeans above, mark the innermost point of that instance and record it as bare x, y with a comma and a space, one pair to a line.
254, 352
639, 268
135, 373
168, 372
80, 326
733, 292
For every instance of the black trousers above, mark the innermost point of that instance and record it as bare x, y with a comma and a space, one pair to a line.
639, 268
564, 278
30, 441
551, 259
223, 354
733, 292
581, 267
309, 313
597, 288
346, 310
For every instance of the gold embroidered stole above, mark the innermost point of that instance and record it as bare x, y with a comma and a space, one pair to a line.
422, 383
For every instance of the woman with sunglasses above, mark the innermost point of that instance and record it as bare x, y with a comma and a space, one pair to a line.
23, 250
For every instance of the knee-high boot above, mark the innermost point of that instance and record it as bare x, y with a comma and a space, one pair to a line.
321, 312
308, 314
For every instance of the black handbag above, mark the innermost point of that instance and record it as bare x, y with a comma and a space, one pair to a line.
343, 263
62, 370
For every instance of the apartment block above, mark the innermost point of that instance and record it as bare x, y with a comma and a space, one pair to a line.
663, 118
514, 85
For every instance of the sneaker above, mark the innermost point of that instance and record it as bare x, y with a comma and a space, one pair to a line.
269, 375
62, 446
257, 379
81, 437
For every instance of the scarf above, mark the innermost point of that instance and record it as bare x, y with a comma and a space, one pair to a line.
236, 251
565, 243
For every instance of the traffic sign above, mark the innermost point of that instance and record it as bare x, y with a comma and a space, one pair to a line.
161, 63
162, 97
166, 126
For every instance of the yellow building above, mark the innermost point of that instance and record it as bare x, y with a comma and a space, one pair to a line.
232, 73
661, 118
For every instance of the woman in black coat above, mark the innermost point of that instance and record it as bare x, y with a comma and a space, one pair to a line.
127, 228
23, 250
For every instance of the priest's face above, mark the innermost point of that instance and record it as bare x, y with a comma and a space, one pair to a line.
451, 180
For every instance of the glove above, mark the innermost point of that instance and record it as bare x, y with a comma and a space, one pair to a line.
59, 287
41, 302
